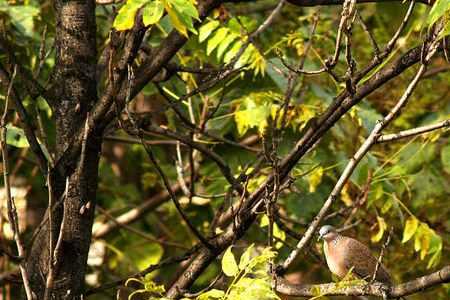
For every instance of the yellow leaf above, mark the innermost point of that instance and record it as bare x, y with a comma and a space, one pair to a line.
229, 265
125, 17
425, 244
264, 221
152, 12
314, 179
422, 239
381, 229
417, 239
410, 228
176, 22
345, 196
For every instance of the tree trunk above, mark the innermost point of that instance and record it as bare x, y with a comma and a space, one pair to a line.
75, 92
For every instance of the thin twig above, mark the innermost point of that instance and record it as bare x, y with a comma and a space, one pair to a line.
158, 168
412, 132
12, 212
139, 232
380, 257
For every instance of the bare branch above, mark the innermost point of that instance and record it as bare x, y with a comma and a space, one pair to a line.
136, 213
335, 289
29, 128
340, 2
12, 213
412, 132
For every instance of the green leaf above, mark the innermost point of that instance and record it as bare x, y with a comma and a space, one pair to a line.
410, 228
229, 265
218, 37
181, 13
21, 16
280, 235
225, 43
445, 158
15, 136
176, 21
127, 13
212, 294
232, 52
186, 7
145, 255
434, 260
245, 257
206, 30
253, 115
152, 12
438, 10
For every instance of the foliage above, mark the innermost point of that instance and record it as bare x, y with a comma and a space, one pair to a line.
182, 14
249, 278
408, 180
228, 39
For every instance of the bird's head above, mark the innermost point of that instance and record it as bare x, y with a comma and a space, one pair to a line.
327, 232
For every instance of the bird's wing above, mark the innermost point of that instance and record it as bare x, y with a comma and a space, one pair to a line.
358, 257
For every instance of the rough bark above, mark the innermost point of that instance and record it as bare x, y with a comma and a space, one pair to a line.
75, 91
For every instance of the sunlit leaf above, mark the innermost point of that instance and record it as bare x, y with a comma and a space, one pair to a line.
145, 255
127, 13
206, 30
152, 12
315, 178
225, 44
214, 41
410, 228
186, 7
229, 265
264, 221
252, 115
15, 136
181, 13
22, 16
245, 257
211, 294
440, 7
381, 229
231, 53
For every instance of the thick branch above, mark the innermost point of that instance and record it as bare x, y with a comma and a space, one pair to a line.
135, 213
335, 289
340, 2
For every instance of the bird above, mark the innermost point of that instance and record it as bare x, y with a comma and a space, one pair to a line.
344, 253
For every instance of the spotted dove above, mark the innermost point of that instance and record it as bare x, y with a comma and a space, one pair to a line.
344, 254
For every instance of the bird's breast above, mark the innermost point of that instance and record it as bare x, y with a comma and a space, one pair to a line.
334, 260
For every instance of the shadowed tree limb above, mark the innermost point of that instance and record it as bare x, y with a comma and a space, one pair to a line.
25, 119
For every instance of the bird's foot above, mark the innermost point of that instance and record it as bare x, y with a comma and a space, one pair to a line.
385, 291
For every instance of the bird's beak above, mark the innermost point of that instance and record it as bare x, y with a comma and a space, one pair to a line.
319, 237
